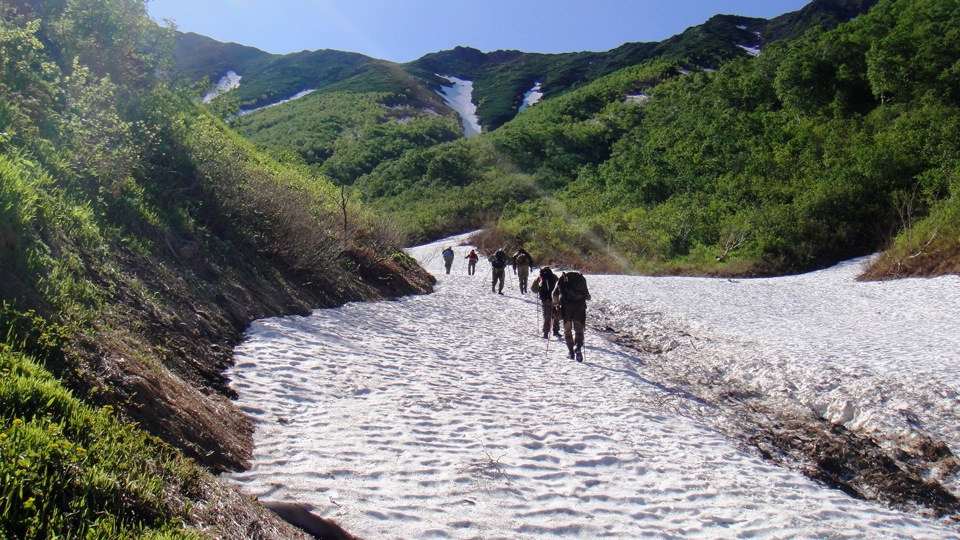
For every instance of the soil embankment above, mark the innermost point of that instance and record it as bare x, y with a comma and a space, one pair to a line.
159, 357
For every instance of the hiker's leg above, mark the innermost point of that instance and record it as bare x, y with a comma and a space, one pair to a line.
578, 334
568, 333
579, 317
568, 336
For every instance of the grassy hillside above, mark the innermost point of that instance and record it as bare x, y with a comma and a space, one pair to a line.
199, 57
663, 166
268, 78
345, 134
820, 149
804, 156
500, 78
138, 238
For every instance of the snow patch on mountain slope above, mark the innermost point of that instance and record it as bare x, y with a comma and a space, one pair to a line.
459, 97
532, 97
636, 99
298, 95
226, 83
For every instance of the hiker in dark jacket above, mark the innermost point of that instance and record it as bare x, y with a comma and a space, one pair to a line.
522, 261
543, 285
472, 259
572, 294
498, 262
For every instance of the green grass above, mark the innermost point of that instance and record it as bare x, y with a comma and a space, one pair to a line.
71, 471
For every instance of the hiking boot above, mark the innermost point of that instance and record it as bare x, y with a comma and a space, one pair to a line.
571, 354
579, 356
546, 336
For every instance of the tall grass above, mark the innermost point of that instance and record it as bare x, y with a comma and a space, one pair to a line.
71, 471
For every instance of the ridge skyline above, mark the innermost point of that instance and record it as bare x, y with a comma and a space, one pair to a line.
385, 31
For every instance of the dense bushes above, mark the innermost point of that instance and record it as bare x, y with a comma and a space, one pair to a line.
824, 147
138, 237
820, 149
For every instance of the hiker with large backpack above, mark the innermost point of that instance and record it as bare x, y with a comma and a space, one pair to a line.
543, 286
448, 258
522, 261
572, 294
498, 262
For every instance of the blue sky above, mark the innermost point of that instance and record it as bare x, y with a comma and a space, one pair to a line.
402, 31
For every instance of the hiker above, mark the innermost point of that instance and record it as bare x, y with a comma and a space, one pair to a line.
522, 261
472, 259
448, 258
543, 286
572, 294
499, 262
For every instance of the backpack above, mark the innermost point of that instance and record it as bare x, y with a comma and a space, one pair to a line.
499, 260
574, 287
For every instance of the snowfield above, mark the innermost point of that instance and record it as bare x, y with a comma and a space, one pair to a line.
873, 356
532, 96
459, 97
447, 416
226, 83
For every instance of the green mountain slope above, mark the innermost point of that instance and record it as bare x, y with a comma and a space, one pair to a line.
695, 157
199, 57
820, 149
706, 158
139, 237
346, 149
500, 79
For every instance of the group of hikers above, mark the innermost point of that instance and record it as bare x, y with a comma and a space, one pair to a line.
562, 298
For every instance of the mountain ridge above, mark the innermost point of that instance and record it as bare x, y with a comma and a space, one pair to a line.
500, 77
